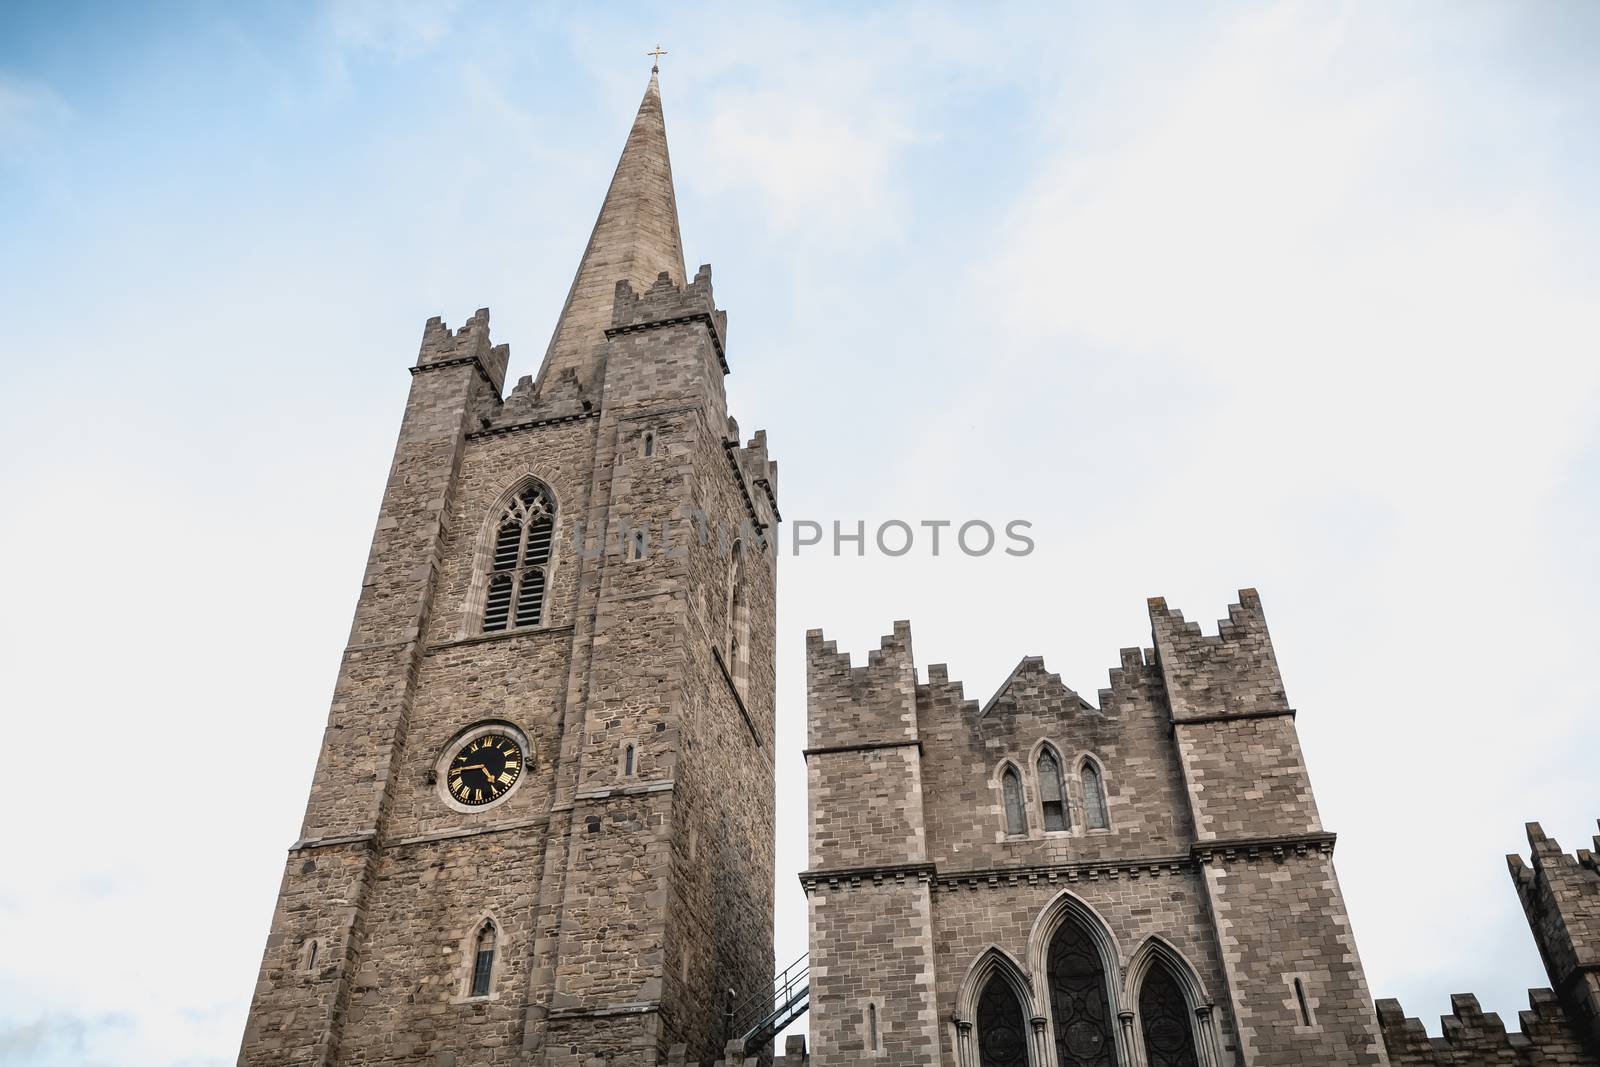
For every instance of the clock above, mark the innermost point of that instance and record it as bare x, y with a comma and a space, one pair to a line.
484, 768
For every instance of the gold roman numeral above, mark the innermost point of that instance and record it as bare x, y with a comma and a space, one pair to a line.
477, 794
506, 778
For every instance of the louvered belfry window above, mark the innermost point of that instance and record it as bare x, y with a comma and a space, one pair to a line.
517, 576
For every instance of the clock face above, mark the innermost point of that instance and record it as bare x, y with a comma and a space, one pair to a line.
484, 770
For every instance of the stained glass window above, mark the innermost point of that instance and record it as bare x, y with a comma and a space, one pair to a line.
1078, 1002
1002, 1031
1164, 1017
1016, 814
1094, 798
483, 961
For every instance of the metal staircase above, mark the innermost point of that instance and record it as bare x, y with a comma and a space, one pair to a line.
761, 1018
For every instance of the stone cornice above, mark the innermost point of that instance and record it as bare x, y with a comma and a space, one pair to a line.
772, 498
1072, 871
498, 635
1276, 847
1229, 716
637, 1007
744, 491
679, 320
459, 361
894, 872
1086, 870
531, 424
865, 746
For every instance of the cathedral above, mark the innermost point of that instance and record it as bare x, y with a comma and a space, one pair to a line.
541, 826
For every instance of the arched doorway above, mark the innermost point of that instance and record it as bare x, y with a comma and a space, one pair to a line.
1080, 1009
1165, 1020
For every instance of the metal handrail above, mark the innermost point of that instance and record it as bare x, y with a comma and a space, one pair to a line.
790, 986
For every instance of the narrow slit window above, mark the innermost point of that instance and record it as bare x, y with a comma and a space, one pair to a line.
518, 569
638, 544
872, 1027
1300, 999
1094, 798
627, 761
1052, 798
311, 955
649, 445
483, 961
738, 620
1011, 790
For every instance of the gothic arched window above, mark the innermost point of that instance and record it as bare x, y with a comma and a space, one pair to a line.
1002, 1031
1052, 797
483, 960
1078, 1001
1011, 792
1165, 1020
1094, 797
517, 571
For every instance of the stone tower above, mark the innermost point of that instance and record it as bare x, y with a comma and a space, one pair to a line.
1049, 882
541, 826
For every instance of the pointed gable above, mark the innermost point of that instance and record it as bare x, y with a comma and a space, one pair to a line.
1030, 678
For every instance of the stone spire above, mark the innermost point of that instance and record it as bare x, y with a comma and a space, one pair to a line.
635, 238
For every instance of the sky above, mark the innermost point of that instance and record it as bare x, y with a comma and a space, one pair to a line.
1298, 296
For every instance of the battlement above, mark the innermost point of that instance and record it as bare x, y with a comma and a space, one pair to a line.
849, 705
1560, 895
1231, 673
794, 1055
1474, 1036
760, 472
665, 302
444, 346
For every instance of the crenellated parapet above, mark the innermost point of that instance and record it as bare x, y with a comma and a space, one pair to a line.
756, 474
444, 347
1560, 895
794, 1055
1232, 673
666, 304
874, 703
1473, 1037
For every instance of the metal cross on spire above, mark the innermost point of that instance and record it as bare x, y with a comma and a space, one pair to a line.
655, 59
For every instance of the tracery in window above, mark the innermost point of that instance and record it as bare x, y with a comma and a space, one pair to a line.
1052, 797
1079, 1005
1094, 797
1165, 1020
518, 568
1002, 1031
1011, 792
483, 960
